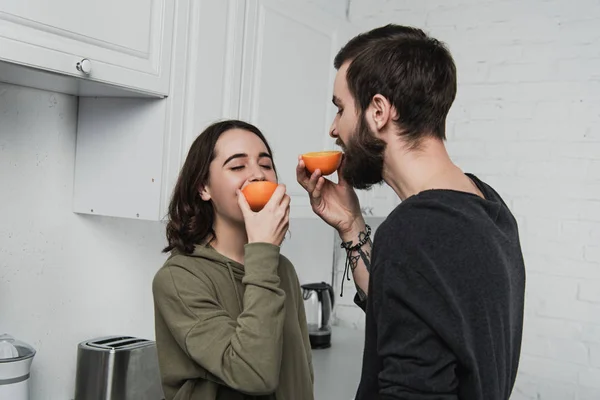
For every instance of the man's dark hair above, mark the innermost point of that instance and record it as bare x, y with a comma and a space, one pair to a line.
415, 72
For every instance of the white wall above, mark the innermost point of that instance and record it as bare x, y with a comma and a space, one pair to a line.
66, 278
527, 121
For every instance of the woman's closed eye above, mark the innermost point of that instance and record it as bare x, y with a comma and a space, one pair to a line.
241, 167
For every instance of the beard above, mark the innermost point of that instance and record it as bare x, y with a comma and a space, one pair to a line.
363, 157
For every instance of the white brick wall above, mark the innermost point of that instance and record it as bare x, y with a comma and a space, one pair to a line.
527, 121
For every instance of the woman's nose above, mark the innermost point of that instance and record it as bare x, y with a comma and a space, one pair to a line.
258, 174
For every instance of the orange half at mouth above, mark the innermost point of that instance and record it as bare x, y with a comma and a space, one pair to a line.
258, 194
326, 161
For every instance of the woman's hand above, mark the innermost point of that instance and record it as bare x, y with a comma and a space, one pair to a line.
270, 224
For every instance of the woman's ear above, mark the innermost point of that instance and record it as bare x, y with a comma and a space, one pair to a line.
204, 193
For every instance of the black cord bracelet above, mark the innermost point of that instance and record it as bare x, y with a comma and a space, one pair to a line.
349, 250
346, 245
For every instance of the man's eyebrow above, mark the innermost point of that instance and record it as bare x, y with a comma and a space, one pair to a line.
233, 157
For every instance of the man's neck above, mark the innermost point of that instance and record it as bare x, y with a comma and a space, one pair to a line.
230, 239
411, 171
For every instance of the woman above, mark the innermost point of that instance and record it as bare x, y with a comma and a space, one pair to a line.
229, 313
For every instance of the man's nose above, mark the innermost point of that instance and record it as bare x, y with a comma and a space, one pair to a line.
333, 130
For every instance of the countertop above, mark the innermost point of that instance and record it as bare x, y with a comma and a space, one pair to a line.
337, 369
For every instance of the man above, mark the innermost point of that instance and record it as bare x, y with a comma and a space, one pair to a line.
443, 289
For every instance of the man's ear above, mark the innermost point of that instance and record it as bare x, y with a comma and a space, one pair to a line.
204, 193
383, 112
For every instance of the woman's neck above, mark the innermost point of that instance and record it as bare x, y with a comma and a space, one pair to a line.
230, 239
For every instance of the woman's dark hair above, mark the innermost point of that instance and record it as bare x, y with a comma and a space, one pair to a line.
191, 219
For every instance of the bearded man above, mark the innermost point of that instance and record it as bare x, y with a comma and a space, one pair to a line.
443, 280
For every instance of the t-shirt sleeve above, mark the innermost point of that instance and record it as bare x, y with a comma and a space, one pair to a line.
361, 302
411, 318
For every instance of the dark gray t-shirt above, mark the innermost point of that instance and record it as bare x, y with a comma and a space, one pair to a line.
446, 294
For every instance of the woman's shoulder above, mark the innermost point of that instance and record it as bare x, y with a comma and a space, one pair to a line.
287, 269
181, 267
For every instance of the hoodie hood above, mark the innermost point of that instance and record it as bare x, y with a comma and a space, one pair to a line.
207, 252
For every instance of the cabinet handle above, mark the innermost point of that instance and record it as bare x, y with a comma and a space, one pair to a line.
84, 66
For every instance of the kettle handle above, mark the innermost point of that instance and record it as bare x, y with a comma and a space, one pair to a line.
331, 295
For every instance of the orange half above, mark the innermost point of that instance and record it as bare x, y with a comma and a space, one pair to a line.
327, 161
258, 194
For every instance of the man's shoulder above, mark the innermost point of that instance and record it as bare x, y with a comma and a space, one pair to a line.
420, 225
414, 215
399, 231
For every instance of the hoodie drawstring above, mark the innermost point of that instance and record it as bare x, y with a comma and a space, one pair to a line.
237, 294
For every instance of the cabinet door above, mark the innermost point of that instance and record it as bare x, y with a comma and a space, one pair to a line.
206, 80
127, 43
287, 83
130, 151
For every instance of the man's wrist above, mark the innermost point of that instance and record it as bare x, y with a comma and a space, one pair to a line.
353, 233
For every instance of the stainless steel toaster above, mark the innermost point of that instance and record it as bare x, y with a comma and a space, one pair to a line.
117, 368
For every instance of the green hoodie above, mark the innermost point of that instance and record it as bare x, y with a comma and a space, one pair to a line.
227, 331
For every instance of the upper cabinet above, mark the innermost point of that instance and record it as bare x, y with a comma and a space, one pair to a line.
287, 83
264, 61
86, 48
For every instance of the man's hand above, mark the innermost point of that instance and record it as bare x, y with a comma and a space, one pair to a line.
336, 203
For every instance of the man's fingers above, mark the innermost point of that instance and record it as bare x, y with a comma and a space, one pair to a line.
316, 194
312, 183
341, 180
301, 174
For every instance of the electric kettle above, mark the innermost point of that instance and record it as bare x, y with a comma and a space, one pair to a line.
318, 304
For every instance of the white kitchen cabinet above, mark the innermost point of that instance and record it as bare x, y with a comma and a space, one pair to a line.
129, 150
126, 46
287, 83
263, 61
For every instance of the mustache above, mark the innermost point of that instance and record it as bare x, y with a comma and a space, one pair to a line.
340, 143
